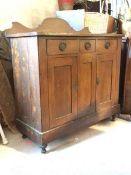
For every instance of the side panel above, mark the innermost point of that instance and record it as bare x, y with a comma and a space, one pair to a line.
26, 81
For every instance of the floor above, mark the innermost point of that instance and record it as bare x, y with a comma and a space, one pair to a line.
103, 149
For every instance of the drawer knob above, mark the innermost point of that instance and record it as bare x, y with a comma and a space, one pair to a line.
62, 46
87, 45
107, 45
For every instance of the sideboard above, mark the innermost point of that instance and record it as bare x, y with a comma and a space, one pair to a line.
64, 80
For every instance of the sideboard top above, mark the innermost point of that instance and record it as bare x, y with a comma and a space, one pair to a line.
50, 27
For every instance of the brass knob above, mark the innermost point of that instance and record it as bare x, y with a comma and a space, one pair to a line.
107, 45
87, 45
62, 46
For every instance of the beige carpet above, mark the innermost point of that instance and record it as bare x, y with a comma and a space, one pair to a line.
103, 149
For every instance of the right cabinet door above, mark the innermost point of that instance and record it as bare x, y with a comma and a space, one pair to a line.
105, 80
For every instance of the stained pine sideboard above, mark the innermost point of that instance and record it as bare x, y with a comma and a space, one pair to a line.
64, 80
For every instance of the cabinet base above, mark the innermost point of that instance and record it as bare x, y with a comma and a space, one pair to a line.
52, 134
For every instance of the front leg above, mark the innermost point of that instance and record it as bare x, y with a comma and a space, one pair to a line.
24, 136
43, 148
113, 118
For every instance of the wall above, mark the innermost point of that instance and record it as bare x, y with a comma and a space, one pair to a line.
28, 12
116, 4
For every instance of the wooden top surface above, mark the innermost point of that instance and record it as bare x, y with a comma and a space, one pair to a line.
51, 27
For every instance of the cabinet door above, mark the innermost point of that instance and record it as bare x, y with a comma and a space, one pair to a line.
86, 84
105, 81
62, 76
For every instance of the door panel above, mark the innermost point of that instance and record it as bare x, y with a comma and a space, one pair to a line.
62, 74
105, 80
64, 86
86, 84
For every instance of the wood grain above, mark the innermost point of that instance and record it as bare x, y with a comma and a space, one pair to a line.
86, 84
105, 77
62, 73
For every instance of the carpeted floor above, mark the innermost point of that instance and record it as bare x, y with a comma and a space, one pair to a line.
103, 149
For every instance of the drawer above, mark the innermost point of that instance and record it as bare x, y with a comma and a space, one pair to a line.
55, 47
106, 45
87, 46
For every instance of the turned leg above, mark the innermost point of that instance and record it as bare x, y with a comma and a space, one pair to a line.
43, 148
24, 136
4, 139
114, 117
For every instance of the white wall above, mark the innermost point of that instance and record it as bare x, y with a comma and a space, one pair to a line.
28, 12
116, 4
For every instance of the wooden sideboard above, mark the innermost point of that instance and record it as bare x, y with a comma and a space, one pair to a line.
64, 80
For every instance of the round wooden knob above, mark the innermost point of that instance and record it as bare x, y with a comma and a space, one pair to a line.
62, 46
107, 45
87, 45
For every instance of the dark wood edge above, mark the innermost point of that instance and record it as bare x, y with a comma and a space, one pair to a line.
28, 132
126, 75
52, 27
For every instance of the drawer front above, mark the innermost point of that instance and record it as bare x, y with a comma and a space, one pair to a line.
87, 46
55, 47
106, 45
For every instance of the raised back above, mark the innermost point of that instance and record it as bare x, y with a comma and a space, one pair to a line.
48, 26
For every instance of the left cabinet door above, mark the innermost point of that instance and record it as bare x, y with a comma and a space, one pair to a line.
62, 79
